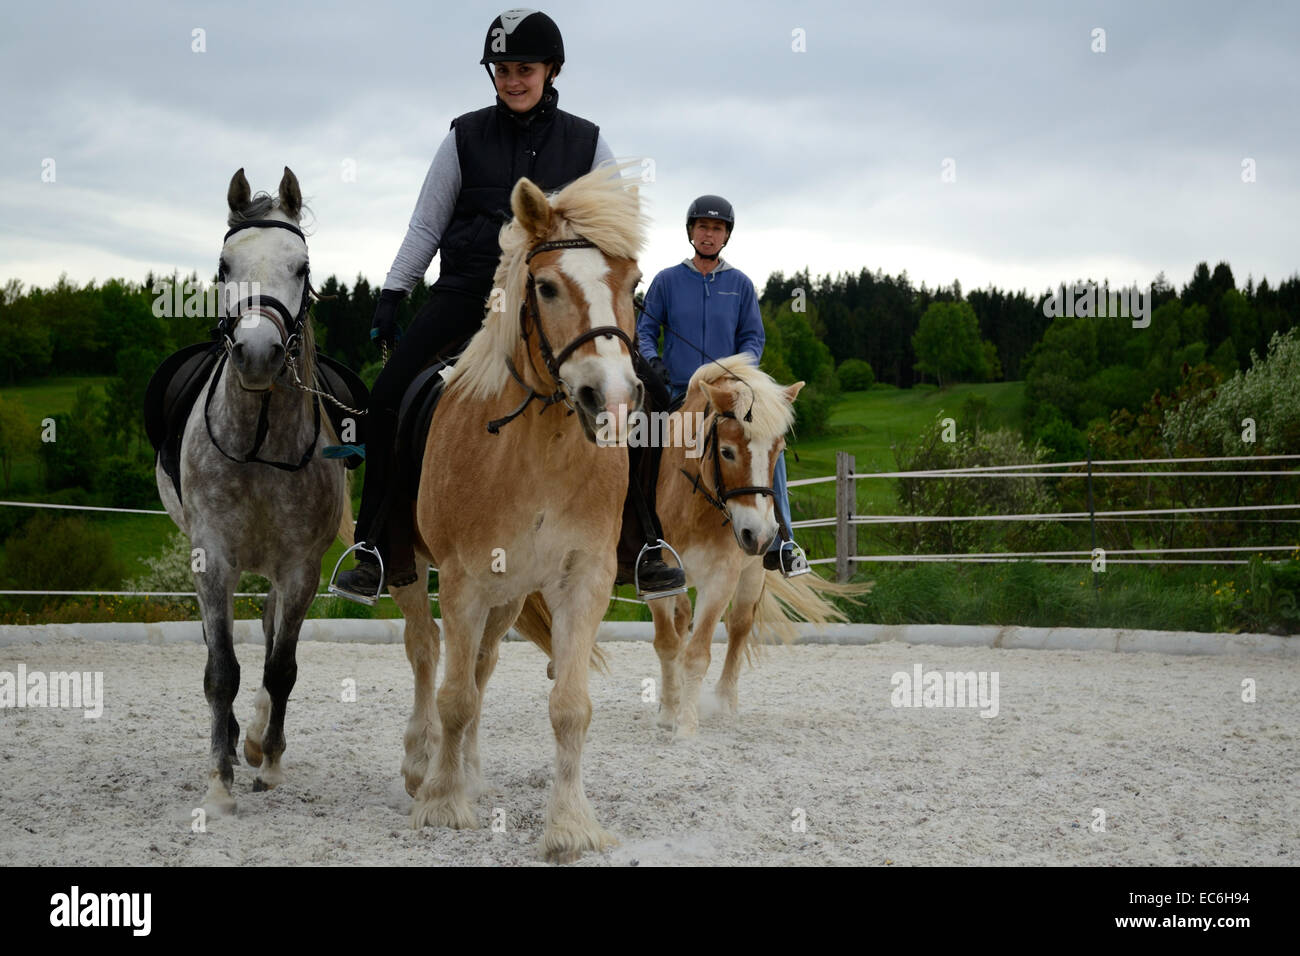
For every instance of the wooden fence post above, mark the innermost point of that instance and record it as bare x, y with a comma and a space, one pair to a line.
846, 501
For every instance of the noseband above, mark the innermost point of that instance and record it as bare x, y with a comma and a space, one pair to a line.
530, 317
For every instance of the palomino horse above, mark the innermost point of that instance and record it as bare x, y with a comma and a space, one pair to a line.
257, 495
529, 502
746, 415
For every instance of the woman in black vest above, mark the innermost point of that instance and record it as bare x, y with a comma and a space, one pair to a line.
462, 206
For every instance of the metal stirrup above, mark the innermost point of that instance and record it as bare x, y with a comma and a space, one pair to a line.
798, 561
636, 573
359, 598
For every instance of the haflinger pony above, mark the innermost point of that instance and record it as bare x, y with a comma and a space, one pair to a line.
721, 528
529, 501
256, 495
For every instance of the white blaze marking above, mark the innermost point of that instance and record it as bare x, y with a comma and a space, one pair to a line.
588, 269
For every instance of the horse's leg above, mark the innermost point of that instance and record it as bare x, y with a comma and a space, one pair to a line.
740, 623
421, 638
498, 623
579, 601
711, 598
215, 588
280, 672
441, 799
262, 702
669, 631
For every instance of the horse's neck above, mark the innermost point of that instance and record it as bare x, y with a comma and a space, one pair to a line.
235, 412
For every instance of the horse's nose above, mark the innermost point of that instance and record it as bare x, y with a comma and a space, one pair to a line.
591, 399
748, 540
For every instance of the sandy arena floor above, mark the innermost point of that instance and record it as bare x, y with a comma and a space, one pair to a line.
1184, 770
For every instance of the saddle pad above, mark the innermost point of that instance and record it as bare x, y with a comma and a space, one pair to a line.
413, 419
175, 386
345, 385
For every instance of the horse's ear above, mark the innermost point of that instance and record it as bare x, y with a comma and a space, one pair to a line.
792, 391
530, 207
290, 194
239, 194
712, 394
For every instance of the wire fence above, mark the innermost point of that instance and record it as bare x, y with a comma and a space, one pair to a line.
846, 520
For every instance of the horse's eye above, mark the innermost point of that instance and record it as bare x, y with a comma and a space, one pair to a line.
547, 290
302, 270
727, 454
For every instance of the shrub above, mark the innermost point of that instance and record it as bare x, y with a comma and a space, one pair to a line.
855, 375
60, 554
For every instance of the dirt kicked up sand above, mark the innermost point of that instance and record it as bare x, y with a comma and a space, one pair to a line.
1092, 758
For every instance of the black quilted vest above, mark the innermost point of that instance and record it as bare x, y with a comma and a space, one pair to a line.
496, 147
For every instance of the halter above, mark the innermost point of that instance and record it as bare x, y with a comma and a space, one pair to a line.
290, 327
721, 494
529, 316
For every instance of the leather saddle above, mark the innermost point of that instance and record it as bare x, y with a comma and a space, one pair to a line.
175, 386
414, 416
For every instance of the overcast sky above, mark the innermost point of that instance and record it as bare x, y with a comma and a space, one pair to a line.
1067, 163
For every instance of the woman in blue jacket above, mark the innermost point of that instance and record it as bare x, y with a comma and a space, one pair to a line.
710, 310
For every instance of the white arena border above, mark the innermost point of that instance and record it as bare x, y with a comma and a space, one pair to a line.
389, 631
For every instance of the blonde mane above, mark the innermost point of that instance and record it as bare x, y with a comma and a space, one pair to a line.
601, 207
773, 414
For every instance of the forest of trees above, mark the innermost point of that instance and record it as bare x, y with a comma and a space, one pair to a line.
839, 333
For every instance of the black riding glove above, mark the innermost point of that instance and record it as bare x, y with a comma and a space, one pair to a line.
384, 328
659, 368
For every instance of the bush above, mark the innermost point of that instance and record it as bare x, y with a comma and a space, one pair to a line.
971, 496
128, 482
855, 375
60, 554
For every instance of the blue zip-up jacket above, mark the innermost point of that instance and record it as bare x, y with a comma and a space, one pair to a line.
716, 313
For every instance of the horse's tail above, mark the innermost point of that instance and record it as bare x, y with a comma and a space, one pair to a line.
347, 524
534, 623
786, 600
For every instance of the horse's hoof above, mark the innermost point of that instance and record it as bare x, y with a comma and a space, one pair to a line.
218, 802
667, 719
259, 786
550, 669
443, 812
567, 845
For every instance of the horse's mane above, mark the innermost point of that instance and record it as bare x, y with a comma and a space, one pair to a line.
602, 207
773, 414
257, 207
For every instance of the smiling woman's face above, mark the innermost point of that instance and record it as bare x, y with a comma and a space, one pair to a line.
519, 84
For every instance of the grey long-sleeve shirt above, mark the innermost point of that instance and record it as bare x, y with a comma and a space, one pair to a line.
433, 212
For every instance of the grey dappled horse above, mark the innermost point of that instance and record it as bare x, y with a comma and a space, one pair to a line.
257, 495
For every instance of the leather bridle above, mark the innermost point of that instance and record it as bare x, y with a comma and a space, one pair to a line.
289, 325
721, 493
529, 317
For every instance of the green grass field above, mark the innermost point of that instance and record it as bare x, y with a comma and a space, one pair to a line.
865, 424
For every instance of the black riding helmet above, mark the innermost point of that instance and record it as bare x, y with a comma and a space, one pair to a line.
523, 36
710, 207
